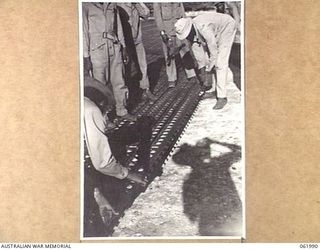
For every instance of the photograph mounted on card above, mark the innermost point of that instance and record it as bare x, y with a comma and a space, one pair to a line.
162, 111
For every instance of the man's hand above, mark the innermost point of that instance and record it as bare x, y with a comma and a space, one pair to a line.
87, 66
136, 178
125, 56
172, 43
201, 75
164, 36
208, 80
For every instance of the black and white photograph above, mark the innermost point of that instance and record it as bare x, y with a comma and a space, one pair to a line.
162, 120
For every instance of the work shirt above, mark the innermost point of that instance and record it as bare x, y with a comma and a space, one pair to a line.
101, 23
166, 15
98, 144
135, 11
210, 28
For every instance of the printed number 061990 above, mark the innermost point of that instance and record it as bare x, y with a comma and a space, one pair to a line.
309, 246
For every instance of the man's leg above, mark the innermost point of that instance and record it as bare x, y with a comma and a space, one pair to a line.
142, 60
225, 44
144, 82
116, 78
99, 59
230, 79
171, 70
100, 65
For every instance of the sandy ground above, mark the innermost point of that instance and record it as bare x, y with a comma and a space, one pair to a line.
200, 190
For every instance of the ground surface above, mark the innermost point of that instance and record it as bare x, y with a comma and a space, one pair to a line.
199, 192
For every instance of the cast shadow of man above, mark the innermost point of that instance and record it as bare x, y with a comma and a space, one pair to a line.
209, 194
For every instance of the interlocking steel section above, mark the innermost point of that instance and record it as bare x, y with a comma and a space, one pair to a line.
172, 112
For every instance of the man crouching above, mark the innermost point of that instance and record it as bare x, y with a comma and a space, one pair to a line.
99, 149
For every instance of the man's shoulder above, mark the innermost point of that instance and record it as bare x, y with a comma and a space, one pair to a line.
202, 20
205, 19
205, 16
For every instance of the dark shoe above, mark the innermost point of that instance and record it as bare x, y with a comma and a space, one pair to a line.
128, 117
209, 95
205, 87
221, 102
147, 95
172, 84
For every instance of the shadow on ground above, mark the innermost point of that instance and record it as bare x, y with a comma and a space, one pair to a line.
209, 194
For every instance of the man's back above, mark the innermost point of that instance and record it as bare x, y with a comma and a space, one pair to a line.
97, 142
213, 20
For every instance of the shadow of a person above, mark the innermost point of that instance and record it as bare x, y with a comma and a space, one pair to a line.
209, 194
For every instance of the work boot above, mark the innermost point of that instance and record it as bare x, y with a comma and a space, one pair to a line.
221, 102
172, 84
128, 117
147, 95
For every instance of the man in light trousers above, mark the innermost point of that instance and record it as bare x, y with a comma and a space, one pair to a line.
104, 50
211, 36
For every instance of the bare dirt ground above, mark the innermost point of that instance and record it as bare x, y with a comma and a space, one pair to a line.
200, 190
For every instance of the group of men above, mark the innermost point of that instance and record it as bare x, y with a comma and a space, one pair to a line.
106, 48
113, 49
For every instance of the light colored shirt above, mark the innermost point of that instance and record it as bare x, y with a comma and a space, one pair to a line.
209, 27
98, 144
101, 23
